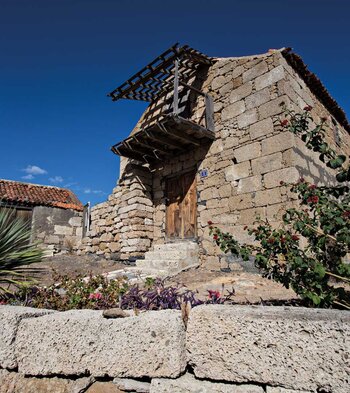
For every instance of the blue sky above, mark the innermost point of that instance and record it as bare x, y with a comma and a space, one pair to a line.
59, 59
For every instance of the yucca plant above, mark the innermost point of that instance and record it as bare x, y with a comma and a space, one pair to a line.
17, 253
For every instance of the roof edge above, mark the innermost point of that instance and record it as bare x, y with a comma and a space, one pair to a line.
316, 86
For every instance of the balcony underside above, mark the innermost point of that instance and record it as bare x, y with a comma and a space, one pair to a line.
165, 139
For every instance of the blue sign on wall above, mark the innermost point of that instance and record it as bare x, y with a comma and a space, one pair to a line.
203, 173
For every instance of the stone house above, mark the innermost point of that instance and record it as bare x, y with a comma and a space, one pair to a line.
54, 214
210, 146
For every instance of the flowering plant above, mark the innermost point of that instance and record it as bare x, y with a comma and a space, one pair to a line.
317, 271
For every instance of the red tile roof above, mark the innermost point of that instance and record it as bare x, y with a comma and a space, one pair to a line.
33, 195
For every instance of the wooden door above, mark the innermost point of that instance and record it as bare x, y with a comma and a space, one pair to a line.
181, 210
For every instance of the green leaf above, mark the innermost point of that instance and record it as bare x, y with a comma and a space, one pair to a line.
320, 270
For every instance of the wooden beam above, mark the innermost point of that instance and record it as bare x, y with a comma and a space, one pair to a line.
182, 136
165, 141
151, 147
143, 152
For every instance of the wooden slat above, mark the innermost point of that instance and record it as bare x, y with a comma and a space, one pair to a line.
181, 209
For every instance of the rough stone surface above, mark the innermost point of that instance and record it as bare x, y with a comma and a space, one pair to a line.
247, 152
115, 313
295, 348
12, 382
104, 387
249, 184
276, 389
80, 341
132, 385
287, 175
189, 384
10, 317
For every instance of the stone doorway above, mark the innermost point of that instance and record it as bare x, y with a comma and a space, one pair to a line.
181, 207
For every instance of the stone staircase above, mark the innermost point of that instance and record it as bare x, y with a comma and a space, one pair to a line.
165, 260
170, 258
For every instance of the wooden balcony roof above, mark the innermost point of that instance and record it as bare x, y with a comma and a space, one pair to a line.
167, 138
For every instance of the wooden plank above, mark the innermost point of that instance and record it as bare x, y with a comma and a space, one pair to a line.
181, 210
189, 206
165, 141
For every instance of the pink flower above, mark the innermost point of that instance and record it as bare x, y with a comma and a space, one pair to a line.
284, 122
95, 296
308, 108
312, 199
214, 294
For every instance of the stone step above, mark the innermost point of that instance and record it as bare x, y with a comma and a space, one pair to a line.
176, 246
170, 254
170, 267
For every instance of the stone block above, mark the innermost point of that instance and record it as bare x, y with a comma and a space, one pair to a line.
63, 230
239, 202
114, 246
273, 107
82, 341
257, 99
297, 348
287, 175
249, 184
232, 110
104, 387
277, 389
75, 221
247, 152
189, 384
12, 382
268, 197
250, 216
241, 92
218, 82
255, 71
247, 118
52, 239
279, 142
132, 385
10, 317
237, 171
261, 128
266, 164
270, 78
225, 191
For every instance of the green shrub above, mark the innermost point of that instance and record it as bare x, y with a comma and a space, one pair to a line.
16, 252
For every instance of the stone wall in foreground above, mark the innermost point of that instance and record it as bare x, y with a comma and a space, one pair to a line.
238, 349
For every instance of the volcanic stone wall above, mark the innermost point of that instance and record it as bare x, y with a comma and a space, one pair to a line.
223, 349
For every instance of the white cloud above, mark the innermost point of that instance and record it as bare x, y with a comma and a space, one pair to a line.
34, 170
56, 179
90, 191
28, 177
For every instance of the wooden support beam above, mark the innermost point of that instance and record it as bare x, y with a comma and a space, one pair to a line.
144, 152
165, 141
151, 147
179, 135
